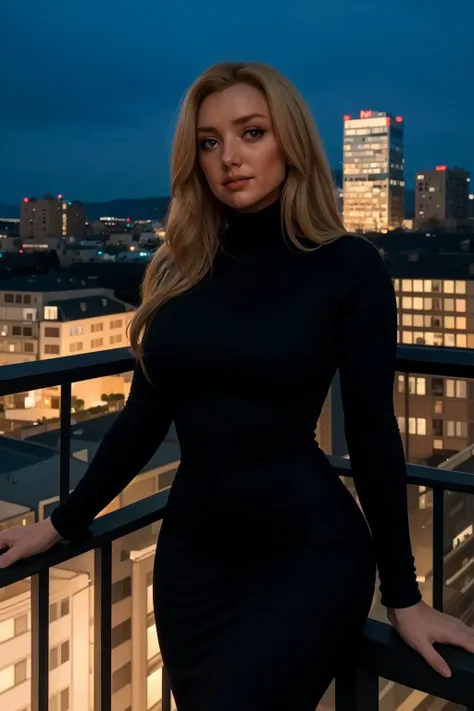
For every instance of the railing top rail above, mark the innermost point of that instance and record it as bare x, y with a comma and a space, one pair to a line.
431, 477
20, 377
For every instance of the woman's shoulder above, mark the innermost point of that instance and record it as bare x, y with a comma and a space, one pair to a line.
357, 247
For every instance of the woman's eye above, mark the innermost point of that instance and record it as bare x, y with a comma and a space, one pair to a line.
208, 143
254, 132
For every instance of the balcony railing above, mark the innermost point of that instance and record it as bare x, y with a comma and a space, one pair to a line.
383, 654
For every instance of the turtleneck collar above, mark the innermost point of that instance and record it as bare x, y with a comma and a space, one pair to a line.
248, 230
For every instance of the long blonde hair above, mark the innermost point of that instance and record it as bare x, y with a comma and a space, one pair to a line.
195, 223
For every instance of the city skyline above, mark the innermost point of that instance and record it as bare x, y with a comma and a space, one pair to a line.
92, 97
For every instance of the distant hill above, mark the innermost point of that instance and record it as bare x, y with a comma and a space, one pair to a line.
153, 208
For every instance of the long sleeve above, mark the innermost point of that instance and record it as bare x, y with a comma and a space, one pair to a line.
128, 445
367, 368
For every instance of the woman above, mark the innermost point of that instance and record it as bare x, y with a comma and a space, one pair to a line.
256, 299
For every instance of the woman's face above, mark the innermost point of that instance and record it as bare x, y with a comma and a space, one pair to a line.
237, 148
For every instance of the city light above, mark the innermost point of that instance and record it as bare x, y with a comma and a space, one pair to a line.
60, 197
25, 199
399, 119
346, 117
441, 167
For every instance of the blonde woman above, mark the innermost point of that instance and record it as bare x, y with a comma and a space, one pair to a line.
265, 565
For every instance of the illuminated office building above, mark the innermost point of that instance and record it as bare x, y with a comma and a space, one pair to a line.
373, 172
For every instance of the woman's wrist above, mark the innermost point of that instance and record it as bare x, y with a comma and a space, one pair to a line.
53, 535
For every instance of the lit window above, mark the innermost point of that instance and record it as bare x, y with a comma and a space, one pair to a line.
407, 302
428, 285
51, 313
407, 320
418, 320
449, 287
418, 285
407, 337
418, 303
438, 444
461, 324
449, 340
449, 321
460, 287
461, 340
406, 285
461, 305
401, 424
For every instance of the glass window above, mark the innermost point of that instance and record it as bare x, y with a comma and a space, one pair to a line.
406, 285
449, 287
51, 332
21, 624
418, 303
461, 340
427, 285
437, 386
407, 319
420, 425
412, 425
461, 305
437, 427
438, 444
418, 285
64, 607
51, 313
436, 285
9, 299
449, 304
461, 429
407, 337
16, 330
461, 323
438, 407
401, 383
427, 302
460, 287
20, 672
28, 348
449, 340
401, 424
418, 320
450, 428
407, 302
51, 349
448, 322
419, 338
396, 284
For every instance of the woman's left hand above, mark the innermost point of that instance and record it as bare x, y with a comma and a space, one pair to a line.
420, 626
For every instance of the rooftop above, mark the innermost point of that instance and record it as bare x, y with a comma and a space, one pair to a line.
89, 307
50, 282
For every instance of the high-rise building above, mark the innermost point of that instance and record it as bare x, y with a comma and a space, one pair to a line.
373, 172
442, 197
42, 218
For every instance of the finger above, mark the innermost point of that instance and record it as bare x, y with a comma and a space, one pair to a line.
10, 556
435, 660
460, 636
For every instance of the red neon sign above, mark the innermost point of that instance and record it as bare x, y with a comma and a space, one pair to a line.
26, 199
399, 119
366, 114
441, 167
346, 117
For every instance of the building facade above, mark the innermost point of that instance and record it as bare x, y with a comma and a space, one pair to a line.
442, 197
51, 316
374, 186
42, 218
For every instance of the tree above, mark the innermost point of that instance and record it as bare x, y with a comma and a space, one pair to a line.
77, 404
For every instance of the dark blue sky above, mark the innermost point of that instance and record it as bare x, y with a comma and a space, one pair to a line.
89, 90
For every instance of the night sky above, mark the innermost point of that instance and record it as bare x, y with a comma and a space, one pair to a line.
90, 90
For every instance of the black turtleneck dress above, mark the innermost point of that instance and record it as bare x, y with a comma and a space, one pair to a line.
265, 566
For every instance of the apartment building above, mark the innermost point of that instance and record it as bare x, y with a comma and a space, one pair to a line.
42, 218
50, 316
32, 485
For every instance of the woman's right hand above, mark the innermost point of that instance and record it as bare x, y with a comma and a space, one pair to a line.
20, 542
